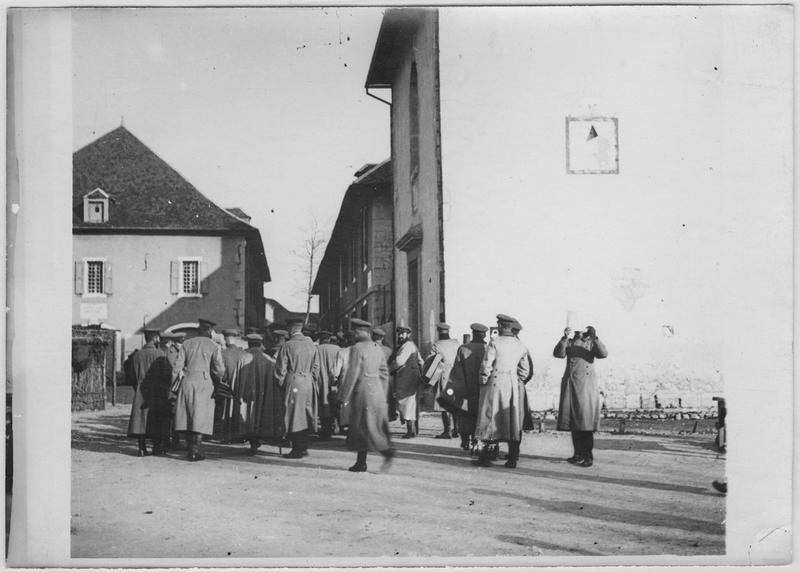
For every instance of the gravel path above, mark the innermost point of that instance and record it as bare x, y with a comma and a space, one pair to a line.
646, 495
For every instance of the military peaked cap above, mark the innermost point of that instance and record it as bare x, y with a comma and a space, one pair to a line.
254, 337
356, 323
151, 331
478, 327
442, 326
401, 329
516, 325
230, 332
205, 323
505, 318
281, 333
379, 332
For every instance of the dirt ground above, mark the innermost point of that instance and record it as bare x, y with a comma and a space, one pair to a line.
646, 495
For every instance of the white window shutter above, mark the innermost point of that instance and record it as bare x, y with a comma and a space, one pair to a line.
78, 278
203, 278
174, 274
107, 279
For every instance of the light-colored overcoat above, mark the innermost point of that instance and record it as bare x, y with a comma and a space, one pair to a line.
363, 396
259, 397
406, 369
579, 406
465, 383
504, 370
296, 372
194, 410
150, 409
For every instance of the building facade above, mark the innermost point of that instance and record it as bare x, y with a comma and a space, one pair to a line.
150, 251
538, 175
405, 61
355, 275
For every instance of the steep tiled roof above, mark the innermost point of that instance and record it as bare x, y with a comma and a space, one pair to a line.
145, 192
147, 195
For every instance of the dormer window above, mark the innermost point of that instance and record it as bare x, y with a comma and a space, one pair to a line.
95, 206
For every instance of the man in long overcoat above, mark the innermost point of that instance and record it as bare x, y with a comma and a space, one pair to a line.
176, 358
326, 384
579, 406
260, 405
527, 423
464, 383
296, 372
202, 369
378, 335
363, 396
227, 408
500, 408
445, 347
406, 367
152, 374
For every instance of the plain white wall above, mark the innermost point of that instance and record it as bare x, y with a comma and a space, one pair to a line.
703, 99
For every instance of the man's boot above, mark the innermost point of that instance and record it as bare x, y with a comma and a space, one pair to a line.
143, 452
513, 454
388, 455
361, 463
465, 442
455, 426
158, 447
446, 422
587, 444
298, 446
483, 459
409, 430
198, 446
576, 447
255, 443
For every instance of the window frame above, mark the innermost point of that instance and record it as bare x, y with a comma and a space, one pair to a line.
96, 196
86, 293
181, 292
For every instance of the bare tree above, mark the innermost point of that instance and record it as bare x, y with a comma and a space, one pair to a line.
310, 254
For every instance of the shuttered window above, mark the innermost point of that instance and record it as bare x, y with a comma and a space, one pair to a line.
92, 277
191, 272
189, 277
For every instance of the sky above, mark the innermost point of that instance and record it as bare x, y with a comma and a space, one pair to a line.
259, 108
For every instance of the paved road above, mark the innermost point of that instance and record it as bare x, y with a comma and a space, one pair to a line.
646, 495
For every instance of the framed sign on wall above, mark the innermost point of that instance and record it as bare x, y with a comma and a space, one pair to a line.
592, 145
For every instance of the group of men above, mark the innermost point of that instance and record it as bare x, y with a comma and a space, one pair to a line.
300, 387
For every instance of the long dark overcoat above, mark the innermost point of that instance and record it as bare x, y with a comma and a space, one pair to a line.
260, 411
579, 406
363, 396
297, 371
465, 383
152, 373
327, 377
194, 410
447, 349
500, 406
